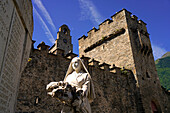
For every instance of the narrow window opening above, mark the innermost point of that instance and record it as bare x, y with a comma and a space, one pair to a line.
37, 100
65, 31
154, 107
143, 78
147, 75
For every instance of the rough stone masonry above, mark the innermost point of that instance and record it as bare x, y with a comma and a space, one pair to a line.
119, 59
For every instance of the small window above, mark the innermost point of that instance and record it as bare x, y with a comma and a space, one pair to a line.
65, 31
37, 100
147, 75
143, 78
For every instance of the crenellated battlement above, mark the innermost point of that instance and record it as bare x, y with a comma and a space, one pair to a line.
137, 23
83, 37
42, 46
92, 31
104, 66
114, 19
58, 52
105, 23
91, 62
134, 17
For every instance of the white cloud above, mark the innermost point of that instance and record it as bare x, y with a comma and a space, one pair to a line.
158, 51
44, 26
45, 13
89, 11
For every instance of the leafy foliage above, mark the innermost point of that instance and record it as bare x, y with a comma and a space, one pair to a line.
163, 69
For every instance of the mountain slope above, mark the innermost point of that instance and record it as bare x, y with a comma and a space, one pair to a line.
163, 69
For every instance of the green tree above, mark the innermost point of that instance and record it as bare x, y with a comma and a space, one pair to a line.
163, 69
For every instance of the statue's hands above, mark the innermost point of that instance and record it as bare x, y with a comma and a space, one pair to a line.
56, 89
51, 86
58, 93
52, 93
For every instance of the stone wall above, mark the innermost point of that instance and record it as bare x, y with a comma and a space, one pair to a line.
16, 27
165, 100
41, 70
114, 87
122, 41
145, 70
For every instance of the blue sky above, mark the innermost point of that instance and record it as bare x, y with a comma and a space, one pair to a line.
83, 15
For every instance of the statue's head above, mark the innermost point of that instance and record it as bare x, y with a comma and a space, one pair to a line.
76, 64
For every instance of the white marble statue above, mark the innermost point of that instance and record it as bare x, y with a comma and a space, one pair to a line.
76, 90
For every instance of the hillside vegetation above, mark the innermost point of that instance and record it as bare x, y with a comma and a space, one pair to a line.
163, 69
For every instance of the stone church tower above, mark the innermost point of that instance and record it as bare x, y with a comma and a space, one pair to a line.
63, 41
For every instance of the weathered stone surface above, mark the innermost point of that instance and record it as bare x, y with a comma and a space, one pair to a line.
6, 11
24, 8
114, 92
118, 90
15, 45
41, 70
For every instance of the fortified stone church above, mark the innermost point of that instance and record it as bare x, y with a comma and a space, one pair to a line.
118, 56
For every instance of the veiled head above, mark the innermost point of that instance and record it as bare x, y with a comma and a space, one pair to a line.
76, 64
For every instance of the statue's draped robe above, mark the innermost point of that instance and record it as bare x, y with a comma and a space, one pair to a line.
82, 81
